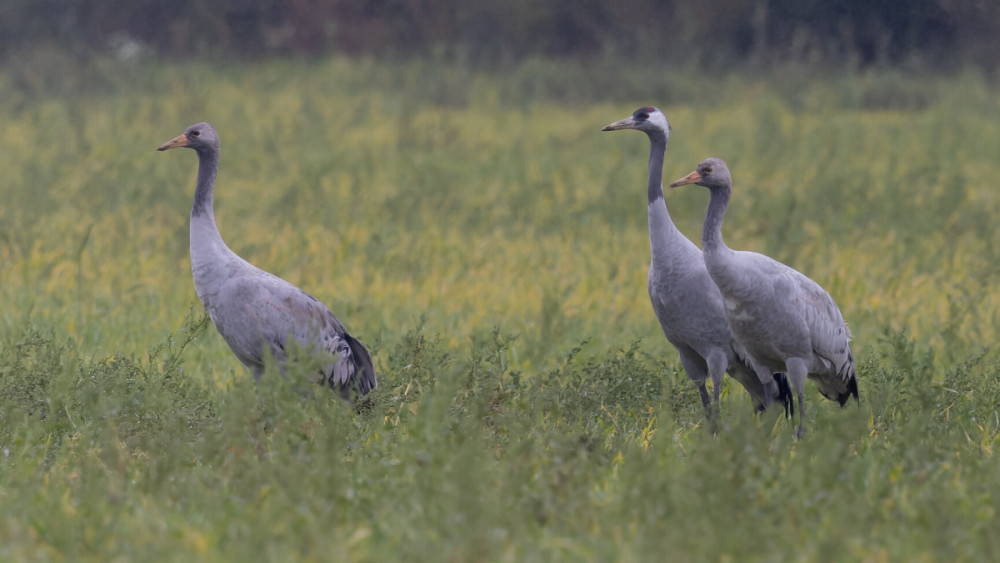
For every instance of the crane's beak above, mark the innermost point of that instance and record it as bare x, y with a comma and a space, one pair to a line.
627, 123
692, 178
181, 141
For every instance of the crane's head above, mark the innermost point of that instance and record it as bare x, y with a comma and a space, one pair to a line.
648, 119
711, 173
200, 137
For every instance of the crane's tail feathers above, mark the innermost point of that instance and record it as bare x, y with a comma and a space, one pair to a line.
366, 379
850, 379
841, 391
841, 398
852, 387
353, 370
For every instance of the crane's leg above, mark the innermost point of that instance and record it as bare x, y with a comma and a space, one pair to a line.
705, 400
717, 364
797, 373
696, 372
772, 390
747, 377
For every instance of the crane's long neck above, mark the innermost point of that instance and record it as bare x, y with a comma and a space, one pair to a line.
208, 167
711, 233
657, 148
209, 254
663, 234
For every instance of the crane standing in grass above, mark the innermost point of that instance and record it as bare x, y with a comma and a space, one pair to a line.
686, 302
784, 320
256, 311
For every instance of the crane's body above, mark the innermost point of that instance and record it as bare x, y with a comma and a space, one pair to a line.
257, 312
784, 320
687, 304
785, 315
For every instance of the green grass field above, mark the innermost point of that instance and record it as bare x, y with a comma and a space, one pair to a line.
489, 244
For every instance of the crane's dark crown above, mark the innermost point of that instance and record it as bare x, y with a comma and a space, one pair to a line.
649, 118
642, 114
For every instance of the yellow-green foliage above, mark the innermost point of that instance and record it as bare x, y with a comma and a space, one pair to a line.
390, 207
489, 243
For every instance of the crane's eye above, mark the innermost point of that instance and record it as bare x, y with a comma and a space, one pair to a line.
195, 133
643, 116
706, 172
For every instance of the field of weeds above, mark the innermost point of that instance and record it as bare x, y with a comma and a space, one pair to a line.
489, 244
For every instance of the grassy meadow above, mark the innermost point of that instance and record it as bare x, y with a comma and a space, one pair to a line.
488, 243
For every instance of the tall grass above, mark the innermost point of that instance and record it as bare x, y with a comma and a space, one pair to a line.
489, 244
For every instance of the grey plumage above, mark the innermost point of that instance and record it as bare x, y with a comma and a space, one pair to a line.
254, 310
686, 302
784, 320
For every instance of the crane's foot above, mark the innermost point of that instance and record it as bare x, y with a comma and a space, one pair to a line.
712, 419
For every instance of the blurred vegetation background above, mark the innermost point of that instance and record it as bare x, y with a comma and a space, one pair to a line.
919, 33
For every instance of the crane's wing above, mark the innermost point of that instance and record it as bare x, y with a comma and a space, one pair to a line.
830, 339
266, 311
804, 310
312, 324
800, 296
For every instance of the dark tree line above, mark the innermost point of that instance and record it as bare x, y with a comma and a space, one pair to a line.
715, 32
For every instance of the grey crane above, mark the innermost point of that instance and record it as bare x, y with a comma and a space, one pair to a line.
686, 302
254, 310
784, 320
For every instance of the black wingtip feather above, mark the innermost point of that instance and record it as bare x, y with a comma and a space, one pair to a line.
785, 394
847, 373
365, 374
852, 390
